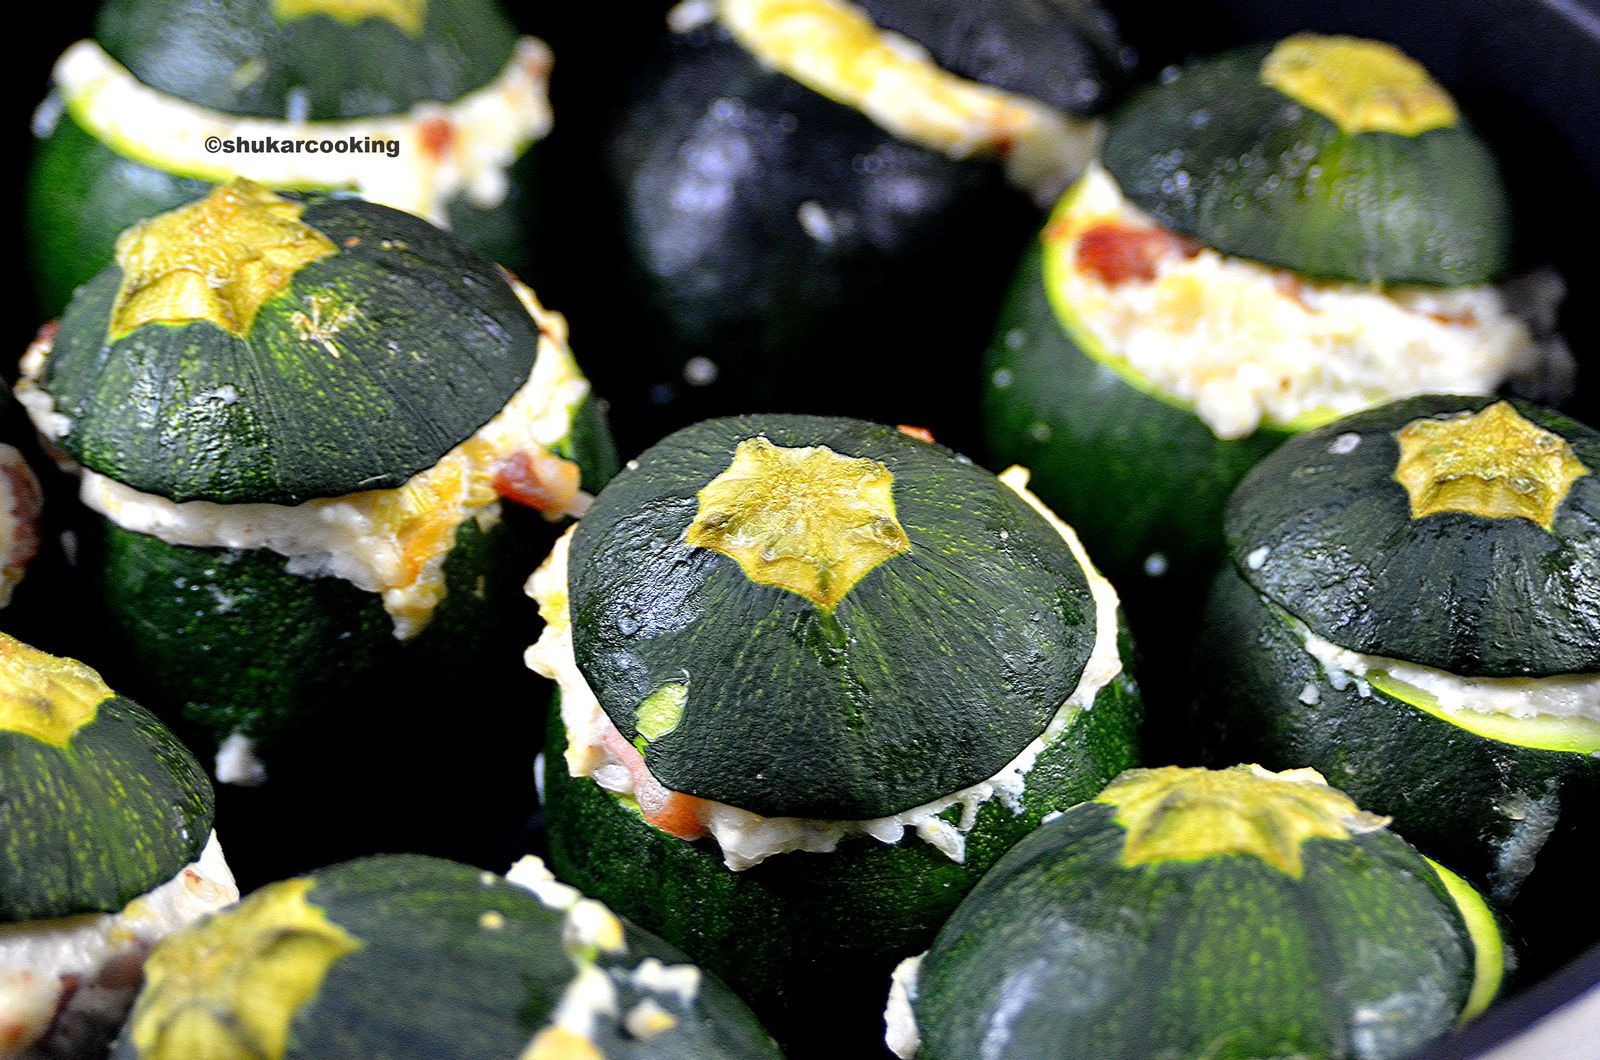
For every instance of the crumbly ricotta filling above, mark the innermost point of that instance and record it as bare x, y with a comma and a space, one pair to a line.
899, 1018
38, 959
834, 48
595, 994
747, 839
447, 150
21, 502
393, 541
1245, 344
1561, 696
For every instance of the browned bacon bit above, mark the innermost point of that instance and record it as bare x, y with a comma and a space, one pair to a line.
539, 480
921, 434
1117, 253
437, 136
671, 811
46, 335
20, 492
1463, 318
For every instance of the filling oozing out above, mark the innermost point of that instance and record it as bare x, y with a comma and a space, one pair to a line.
391, 541
445, 151
87, 968
597, 750
20, 504
1561, 706
1246, 344
647, 1000
834, 48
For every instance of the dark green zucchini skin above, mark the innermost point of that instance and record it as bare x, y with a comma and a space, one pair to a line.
1478, 597
363, 744
303, 423
1481, 806
810, 939
485, 993
1224, 956
1134, 475
711, 160
88, 827
931, 674
81, 193
1244, 168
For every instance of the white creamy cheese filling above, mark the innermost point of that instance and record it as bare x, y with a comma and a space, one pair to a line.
1246, 344
393, 542
592, 996
899, 1019
448, 151
833, 48
35, 957
746, 838
1560, 696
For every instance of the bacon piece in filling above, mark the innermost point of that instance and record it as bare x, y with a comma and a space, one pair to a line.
671, 811
539, 480
1117, 253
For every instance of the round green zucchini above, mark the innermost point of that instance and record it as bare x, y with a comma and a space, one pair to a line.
99, 802
283, 392
405, 956
776, 614
784, 247
333, 63
1333, 156
1407, 587
1186, 912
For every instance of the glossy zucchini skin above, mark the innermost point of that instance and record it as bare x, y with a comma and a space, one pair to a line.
1484, 807
486, 992
89, 826
1222, 956
82, 193
1217, 154
1137, 476
929, 675
809, 940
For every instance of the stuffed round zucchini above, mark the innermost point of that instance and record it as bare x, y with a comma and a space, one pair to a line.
409, 957
1276, 237
106, 821
1185, 912
296, 421
1413, 607
428, 106
815, 676
797, 183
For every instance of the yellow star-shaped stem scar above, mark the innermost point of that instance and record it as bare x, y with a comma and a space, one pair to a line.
1492, 463
218, 259
806, 519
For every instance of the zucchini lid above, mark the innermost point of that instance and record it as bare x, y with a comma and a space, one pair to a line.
325, 965
1002, 44
252, 347
1183, 907
1461, 533
1350, 164
99, 802
817, 617
327, 59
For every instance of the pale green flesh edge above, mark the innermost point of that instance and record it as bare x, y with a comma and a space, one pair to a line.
1488, 947
1096, 351
1571, 735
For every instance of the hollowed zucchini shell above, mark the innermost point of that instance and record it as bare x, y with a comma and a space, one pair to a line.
82, 192
1142, 478
810, 939
415, 957
1322, 538
1066, 941
430, 343
1243, 167
930, 674
796, 244
94, 811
